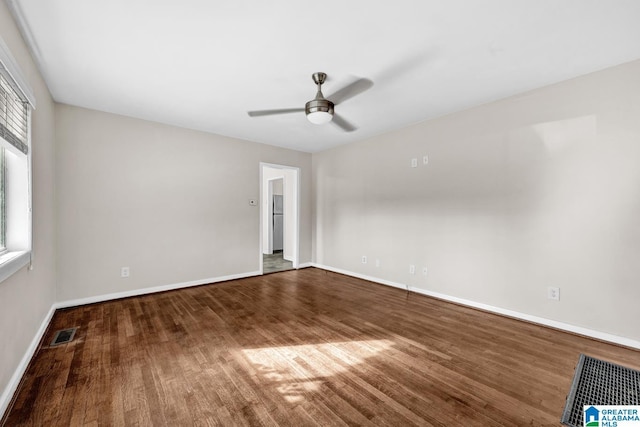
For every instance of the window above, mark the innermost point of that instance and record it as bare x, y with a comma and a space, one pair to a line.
16, 102
13, 130
3, 205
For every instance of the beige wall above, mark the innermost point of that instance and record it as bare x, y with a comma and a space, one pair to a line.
27, 296
538, 190
169, 203
277, 187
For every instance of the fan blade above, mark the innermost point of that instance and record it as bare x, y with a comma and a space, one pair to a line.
350, 90
272, 112
343, 124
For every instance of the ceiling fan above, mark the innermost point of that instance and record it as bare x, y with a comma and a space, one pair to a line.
320, 110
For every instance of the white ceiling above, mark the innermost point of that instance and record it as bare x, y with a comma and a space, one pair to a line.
203, 64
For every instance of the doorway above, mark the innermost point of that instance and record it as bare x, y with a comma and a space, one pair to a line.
279, 217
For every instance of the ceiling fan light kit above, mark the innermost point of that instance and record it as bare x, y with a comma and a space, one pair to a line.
319, 111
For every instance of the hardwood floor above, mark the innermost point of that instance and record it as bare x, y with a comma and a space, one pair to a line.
304, 347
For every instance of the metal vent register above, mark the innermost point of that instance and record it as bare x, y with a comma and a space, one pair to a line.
597, 382
63, 336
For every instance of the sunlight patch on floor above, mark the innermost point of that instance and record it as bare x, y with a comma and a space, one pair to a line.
297, 370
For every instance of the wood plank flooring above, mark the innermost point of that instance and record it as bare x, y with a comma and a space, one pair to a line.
297, 348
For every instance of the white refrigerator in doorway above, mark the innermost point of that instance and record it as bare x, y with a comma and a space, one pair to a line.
278, 231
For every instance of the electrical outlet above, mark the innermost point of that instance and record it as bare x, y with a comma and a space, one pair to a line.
364, 259
412, 269
414, 163
553, 293
377, 263
424, 270
425, 160
124, 272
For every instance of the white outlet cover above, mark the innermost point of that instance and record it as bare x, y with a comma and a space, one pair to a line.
364, 259
424, 271
377, 263
412, 269
553, 293
425, 160
414, 163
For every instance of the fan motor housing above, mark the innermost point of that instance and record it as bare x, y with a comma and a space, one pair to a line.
323, 105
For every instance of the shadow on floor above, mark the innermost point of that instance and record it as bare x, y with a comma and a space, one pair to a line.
275, 262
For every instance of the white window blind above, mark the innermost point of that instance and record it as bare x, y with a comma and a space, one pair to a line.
16, 104
14, 120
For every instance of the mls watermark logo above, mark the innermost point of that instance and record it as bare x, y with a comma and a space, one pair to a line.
611, 416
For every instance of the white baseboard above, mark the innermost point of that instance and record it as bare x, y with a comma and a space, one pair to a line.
14, 382
151, 290
361, 276
603, 336
305, 265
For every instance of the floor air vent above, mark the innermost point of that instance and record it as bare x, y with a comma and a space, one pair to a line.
597, 382
63, 336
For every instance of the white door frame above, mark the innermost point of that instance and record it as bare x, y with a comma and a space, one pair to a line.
264, 208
